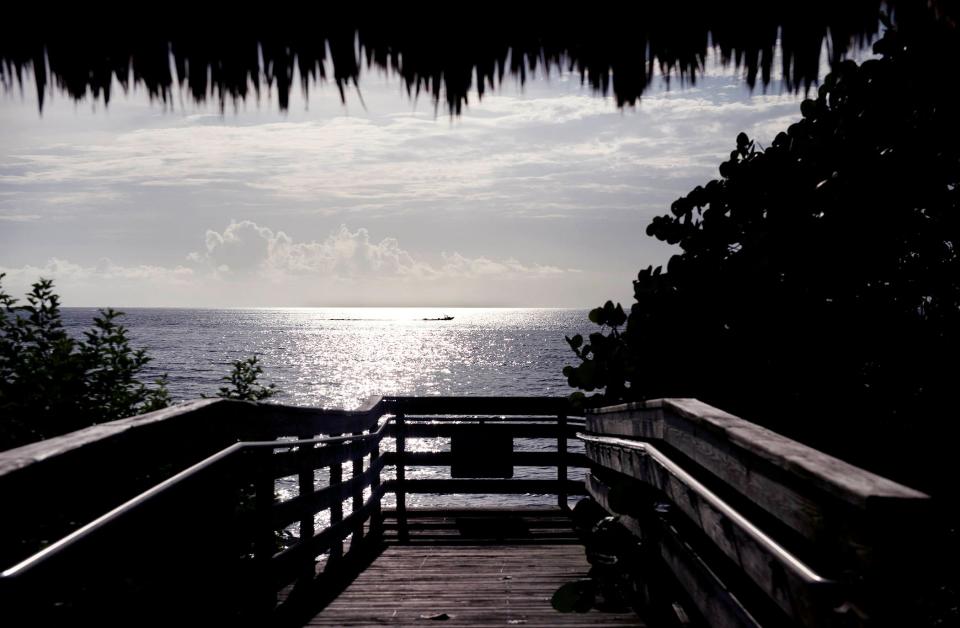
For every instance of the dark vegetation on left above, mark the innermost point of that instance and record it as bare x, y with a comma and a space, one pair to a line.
51, 383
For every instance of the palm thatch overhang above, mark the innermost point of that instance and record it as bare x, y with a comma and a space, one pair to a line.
229, 58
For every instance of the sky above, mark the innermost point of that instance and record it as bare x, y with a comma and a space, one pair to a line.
538, 195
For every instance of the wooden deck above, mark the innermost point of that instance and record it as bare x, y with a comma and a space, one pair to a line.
470, 568
473, 585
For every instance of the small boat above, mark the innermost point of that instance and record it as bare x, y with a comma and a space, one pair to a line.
445, 317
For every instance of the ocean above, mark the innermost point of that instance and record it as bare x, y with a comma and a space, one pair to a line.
337, 357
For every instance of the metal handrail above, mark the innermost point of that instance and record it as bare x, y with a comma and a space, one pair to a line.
165, 486
389, 407
783, 556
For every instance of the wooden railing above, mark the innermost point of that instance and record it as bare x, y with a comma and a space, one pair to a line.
752, 529
217, 526
755, 528
482, 432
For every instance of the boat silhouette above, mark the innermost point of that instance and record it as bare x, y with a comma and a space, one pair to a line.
445, 317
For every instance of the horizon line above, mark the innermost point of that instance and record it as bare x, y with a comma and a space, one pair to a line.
325, 307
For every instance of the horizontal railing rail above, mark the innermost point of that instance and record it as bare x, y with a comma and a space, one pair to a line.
493, 406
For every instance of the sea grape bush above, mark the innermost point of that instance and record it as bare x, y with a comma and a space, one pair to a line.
604, 362
817, 287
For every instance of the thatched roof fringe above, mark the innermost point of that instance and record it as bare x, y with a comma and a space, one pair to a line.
617, 55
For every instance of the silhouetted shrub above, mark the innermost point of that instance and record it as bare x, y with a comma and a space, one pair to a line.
818, 287
244, 384
51, 383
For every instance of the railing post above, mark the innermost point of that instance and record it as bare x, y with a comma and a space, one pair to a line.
376, 517
562, 463
336, 507
356, 475
306, 489
264, 542
400, 436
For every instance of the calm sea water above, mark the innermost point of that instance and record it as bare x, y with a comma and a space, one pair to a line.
338, 357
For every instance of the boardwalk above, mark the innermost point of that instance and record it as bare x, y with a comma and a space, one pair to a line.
474, 585
742, 527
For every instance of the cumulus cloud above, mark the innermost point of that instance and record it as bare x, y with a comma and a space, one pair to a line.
249, 264
245, 247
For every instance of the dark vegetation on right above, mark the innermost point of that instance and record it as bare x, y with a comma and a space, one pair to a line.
818, 287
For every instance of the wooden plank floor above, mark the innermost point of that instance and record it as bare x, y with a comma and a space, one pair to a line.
453, 572
480, 585
507, 526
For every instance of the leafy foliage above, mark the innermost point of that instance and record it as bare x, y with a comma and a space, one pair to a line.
112, 367
818, 287
244, 383
51, 383
604, 361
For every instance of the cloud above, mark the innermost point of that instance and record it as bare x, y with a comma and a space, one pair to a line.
105, 278
245, 248
522, 187
456, 265
104, 269
247, 264
242, 247
19, 217
383, 160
